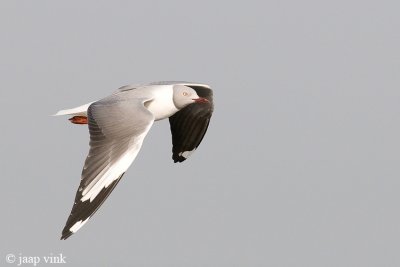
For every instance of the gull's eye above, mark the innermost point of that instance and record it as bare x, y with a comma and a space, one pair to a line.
185, 93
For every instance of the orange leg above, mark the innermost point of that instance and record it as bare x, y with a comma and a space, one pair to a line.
79, 120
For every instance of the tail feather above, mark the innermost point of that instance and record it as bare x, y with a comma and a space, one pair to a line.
78, 111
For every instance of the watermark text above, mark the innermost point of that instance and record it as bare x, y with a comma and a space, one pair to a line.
21, 259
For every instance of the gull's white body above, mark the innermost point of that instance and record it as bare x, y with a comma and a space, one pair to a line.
162, 107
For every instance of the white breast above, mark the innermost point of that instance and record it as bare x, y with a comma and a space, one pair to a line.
162, 106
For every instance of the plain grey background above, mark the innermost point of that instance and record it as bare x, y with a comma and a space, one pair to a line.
300, 165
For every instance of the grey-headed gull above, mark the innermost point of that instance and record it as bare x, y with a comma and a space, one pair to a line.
117, 126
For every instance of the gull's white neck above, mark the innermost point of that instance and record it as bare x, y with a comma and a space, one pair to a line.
162, 106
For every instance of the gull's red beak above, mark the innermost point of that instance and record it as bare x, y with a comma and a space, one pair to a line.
201, 100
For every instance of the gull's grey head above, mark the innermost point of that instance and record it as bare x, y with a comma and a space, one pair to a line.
184, 95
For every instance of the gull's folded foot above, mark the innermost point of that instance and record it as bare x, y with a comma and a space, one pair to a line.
79, 120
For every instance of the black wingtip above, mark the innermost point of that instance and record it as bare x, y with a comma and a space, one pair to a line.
178, 159
65, 234
86, 208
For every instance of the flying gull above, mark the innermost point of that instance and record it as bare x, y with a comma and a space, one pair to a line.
117, 126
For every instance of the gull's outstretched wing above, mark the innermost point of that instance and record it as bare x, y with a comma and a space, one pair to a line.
189, 125
117, 127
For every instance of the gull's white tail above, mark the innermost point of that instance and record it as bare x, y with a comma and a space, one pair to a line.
78, 111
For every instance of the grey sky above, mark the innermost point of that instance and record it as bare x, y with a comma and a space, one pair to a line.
300, 166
